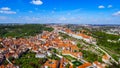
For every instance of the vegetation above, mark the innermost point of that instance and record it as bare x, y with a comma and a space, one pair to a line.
54, 57
1, 46
67, 66
65, 36
77, 63
5, 62
114, 65
55, 50
79, 45
73, 60
28, 60
22, 30
69, 57
90, 56
113, 48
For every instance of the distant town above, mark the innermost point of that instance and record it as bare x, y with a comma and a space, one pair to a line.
59, 46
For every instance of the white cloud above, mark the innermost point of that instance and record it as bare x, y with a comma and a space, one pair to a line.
7, 12
101, 6
36, 2
5, 8
110, 6
117, 13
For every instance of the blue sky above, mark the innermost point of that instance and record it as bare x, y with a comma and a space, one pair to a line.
60, 11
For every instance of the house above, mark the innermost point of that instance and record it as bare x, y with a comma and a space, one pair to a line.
78, 36
11, 66
85, 65
49, 53
71, 66
2, 66
74, 48
40, 55
105, 58
73, 54
1, 39
15, 55
51, 64
63, 62
85, 37
77, 54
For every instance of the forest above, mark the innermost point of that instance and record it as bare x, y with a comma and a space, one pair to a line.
22, 30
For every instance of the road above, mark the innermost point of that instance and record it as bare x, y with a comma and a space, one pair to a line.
8, 61
106, 54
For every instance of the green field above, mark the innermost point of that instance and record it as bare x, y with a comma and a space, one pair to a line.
77, 63
69, 57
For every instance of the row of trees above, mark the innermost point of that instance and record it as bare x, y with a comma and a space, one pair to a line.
105, 36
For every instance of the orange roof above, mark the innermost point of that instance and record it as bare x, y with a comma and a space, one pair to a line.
1, 39
73, 47
4, 49
68, 30
85, 65
51, 63
71, 66
47, 44
9, 65
105, 57
44, 37
57, 40
61, 63
2, 66
84, 36
76, 54
66, 52
61, 44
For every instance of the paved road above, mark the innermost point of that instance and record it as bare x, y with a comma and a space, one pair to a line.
8, 61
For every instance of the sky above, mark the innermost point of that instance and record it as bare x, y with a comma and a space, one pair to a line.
60, 11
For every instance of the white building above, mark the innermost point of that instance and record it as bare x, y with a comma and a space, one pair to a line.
40, 55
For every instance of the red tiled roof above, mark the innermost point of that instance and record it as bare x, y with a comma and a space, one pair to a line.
84, 36
51, 63
85, 65
105, 57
